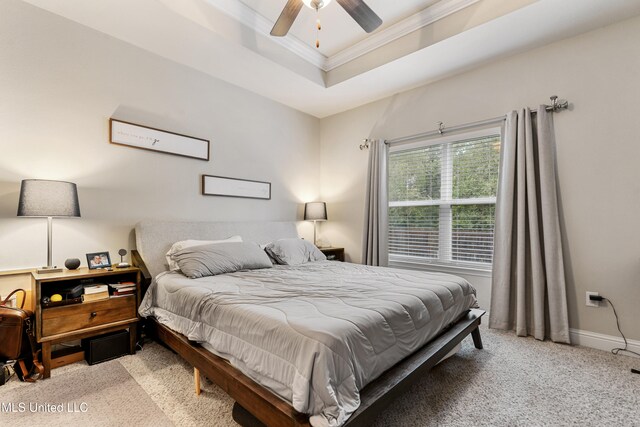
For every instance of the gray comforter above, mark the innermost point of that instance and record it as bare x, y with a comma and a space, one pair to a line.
315, 334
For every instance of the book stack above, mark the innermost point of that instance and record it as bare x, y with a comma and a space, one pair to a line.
95, 293
123, 289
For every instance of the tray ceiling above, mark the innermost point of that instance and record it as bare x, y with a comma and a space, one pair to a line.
421, 41
339, 31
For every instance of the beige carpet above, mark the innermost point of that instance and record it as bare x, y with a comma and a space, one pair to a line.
81, 397
512, 382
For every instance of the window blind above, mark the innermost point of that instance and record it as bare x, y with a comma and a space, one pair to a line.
442, 197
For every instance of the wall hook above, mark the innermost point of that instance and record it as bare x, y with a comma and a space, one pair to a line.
440, 128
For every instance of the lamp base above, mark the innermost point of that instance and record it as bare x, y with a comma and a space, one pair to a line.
48, 269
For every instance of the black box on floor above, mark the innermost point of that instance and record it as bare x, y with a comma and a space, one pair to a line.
105, 347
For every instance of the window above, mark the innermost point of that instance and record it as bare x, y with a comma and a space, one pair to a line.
442, 196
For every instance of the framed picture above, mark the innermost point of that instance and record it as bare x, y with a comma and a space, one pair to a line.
98, 260
148, 138
234, 187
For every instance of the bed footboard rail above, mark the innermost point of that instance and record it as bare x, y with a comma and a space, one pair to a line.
381, 392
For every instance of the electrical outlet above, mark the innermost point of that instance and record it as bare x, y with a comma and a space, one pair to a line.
592, 303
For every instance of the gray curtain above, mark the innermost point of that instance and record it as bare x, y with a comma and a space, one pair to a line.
528, 286
375, 243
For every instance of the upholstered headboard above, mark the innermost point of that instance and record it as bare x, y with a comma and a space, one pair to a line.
154, 238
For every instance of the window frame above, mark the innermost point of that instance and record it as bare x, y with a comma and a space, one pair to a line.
445, 203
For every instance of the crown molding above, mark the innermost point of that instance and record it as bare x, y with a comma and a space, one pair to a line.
261, 25
427, 16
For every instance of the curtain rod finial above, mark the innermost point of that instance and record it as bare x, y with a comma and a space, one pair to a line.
558, 104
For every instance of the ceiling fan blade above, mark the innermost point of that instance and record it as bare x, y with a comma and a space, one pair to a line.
362, 14
286, 18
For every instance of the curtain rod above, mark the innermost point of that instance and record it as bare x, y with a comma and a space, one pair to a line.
556, 105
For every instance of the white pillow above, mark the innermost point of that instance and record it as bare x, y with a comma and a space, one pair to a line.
178, 246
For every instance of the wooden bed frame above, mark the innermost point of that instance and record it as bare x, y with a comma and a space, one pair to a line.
255, 406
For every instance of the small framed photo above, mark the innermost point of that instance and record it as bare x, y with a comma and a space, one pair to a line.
98, 260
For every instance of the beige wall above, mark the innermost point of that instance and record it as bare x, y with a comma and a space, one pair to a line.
598, 152
18, 279
59, 84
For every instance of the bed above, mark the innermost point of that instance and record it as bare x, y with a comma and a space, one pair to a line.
332, 340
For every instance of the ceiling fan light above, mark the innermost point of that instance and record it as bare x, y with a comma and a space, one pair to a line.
316, 4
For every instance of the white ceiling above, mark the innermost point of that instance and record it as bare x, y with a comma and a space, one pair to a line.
346, 43
204, 35
339, 30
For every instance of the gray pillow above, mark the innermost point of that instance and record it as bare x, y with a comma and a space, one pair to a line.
294, 252
220, 258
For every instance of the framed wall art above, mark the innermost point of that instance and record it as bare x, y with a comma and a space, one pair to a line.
148, 138
234, 187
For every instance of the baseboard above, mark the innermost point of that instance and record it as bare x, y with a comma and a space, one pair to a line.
601, 341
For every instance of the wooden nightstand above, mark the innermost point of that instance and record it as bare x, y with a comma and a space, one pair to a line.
333, 254
72, 322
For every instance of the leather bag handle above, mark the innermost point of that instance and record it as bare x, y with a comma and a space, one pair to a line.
37, 370
24, 297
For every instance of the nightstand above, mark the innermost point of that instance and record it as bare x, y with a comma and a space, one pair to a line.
333, 254
55, 325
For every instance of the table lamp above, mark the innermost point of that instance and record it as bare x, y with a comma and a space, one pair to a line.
315, 211
48, 199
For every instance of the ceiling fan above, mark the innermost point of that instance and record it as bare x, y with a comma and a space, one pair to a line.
358, 10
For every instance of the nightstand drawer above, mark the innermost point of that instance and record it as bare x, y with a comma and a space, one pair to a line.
58, 320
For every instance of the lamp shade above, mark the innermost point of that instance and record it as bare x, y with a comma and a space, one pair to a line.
315, 211
44, 198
